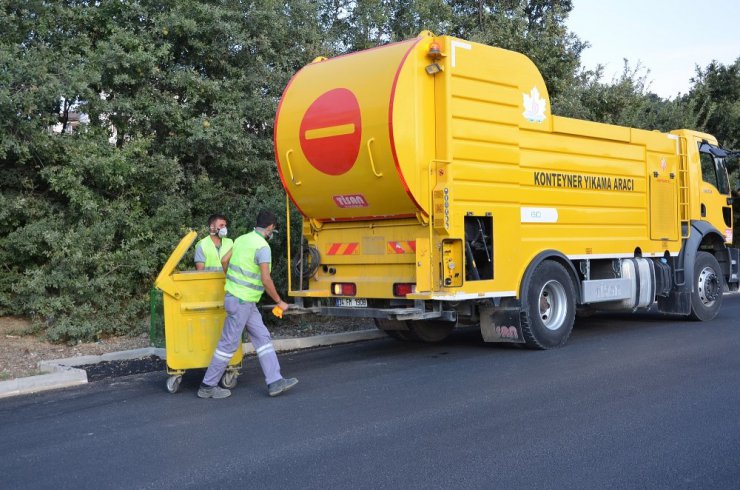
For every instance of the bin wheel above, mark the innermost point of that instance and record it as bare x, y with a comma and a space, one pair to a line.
173, 383
228, 380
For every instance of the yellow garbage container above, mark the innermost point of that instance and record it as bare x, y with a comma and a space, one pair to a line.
193, 318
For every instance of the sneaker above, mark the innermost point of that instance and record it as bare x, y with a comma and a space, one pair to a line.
281, 385
206, 391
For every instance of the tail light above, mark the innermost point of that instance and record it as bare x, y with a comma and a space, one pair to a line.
343, 288
403, 288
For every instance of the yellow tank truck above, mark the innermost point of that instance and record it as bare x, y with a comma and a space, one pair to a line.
437, 189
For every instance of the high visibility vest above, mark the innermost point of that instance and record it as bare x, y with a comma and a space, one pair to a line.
243, 278
213, 254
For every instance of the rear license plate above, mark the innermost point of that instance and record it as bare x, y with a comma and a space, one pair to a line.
352, 302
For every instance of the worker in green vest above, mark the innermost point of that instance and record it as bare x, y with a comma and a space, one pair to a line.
210, 250
247, 266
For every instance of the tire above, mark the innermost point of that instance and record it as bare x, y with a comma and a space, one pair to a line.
431, 330
389, 327
403, 335
549, 307
229, 380
706, 292
173, 383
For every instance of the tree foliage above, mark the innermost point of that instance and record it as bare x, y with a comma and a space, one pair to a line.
716, 97
625, 100
177, 99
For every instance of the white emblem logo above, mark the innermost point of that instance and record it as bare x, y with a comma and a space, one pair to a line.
534, 106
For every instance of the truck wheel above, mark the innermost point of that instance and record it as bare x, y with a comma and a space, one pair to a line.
404, 335
431, 330
550, 306
706, 295
389, 327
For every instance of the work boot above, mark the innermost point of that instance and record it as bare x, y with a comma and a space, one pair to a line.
206, 391
281, 385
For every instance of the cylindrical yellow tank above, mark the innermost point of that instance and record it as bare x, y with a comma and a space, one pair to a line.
360, 127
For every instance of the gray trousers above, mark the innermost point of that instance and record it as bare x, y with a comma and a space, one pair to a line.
239, 314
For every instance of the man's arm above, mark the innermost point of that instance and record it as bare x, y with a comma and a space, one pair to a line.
270, 286
225, 261
200, 259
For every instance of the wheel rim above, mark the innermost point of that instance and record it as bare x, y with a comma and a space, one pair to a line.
553, 305
708, 286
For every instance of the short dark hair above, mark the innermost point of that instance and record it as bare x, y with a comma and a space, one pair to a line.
215, 217
265, 218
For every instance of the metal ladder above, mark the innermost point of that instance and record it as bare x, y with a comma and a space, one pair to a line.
684, 197
683, 189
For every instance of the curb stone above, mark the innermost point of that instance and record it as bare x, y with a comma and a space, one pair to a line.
63, 373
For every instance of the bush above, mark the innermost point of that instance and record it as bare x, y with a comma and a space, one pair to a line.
175, 103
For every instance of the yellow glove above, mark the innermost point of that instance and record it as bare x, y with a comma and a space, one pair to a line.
277, 311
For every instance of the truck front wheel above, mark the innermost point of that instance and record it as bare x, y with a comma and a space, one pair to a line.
549, 308
706, 295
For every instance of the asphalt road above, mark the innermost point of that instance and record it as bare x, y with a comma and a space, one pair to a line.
630, 402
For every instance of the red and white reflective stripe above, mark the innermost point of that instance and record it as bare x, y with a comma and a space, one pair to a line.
408, 247
344, 249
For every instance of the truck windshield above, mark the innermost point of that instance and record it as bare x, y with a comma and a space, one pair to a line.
713, 168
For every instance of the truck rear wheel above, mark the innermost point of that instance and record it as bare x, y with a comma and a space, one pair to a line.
549, 308
390, 327
431, 330
706, 295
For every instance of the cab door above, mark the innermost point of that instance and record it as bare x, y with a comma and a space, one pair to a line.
714, 191
663, 200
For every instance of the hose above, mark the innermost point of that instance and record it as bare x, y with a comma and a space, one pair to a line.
308, 264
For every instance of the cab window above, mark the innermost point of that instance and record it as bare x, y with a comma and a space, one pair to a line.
713, 172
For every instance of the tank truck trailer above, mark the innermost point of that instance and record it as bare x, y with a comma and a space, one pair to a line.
437, 189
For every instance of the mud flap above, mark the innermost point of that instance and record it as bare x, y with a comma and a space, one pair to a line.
501, 323
677, 303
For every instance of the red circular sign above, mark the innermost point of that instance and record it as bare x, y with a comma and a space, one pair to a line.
331, 132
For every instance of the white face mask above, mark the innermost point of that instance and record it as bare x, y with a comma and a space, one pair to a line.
222, 232
267, 234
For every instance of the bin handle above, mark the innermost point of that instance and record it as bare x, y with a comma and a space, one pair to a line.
372, 162
209, 305
290, 168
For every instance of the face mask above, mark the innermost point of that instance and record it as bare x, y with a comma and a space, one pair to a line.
272, 235
222, 232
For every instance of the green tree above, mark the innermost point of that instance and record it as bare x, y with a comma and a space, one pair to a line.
534, 27
624, 101
177, 99
716, 94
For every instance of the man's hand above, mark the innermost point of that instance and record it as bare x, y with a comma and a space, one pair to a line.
270, 286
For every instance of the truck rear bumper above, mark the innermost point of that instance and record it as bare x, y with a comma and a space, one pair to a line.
400, 314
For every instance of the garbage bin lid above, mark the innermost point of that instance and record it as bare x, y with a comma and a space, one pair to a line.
175, 258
